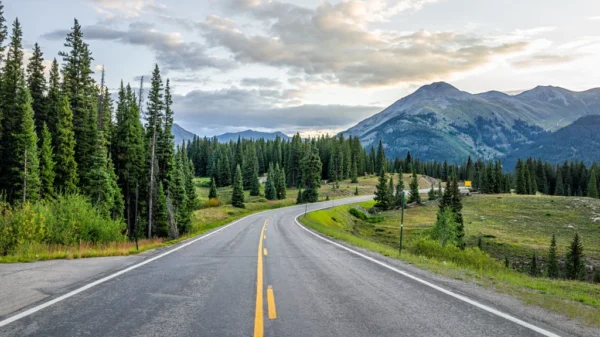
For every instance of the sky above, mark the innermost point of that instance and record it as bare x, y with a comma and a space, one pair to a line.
316, 66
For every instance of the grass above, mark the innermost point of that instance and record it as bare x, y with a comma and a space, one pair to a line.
490, 217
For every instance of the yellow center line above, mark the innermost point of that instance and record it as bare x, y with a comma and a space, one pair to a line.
265, 252
259, 314
271, 303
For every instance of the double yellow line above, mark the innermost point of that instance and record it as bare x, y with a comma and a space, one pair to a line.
259, 326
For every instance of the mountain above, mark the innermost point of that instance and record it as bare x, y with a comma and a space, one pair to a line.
181, 134
579, 141
251, 134
440, 122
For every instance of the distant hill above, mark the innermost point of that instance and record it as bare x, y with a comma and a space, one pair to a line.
440, 122
181, 134
251, 134
578, 141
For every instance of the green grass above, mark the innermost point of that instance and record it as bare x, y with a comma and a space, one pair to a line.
501, 236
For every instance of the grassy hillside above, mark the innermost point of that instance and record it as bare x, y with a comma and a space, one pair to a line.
509, 225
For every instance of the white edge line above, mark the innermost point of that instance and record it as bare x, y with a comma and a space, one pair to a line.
438, 288
109, 277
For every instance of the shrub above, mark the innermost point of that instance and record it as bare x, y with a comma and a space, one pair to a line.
214, 202
364, 217
470, 257
67, 220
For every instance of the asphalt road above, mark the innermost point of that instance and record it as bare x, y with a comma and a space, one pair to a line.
267, 275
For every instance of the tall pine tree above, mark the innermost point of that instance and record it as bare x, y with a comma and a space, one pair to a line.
46, 164
36, 82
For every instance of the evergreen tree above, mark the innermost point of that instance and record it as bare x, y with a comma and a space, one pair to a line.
356, 191
212, 194
521, 179
456, 206
533, 269
237, 197
311, 175
180, 200
3, 33
399, 191
25, 160
432, 195
160, 214
382, 194
249, 166
574, 262
46, 164
380, 162
354, 172
270, 190
188, 174
559, 190
299, 198
166, 141
414, 189
439, 191
592, 185
36, 83
66, 178
391, 197
553, 269
444, 229
102, 187
54, 102
280, 183
255, 185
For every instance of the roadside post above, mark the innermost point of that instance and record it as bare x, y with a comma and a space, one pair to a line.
401, 224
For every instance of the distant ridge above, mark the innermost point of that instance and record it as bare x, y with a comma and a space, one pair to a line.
251, 134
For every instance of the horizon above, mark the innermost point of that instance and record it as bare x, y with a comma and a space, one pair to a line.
246, 59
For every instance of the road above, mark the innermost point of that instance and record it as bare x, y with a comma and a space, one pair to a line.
266, 275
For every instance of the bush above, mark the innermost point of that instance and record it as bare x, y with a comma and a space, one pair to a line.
470, 257
66, 220
212, 203
364, 217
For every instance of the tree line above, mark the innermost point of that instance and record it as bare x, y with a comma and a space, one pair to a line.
63, 135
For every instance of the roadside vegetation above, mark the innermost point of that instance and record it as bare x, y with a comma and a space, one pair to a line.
507, 245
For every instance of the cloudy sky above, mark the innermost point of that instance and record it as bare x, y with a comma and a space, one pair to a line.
321, 66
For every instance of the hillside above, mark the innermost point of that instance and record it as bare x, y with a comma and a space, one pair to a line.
181, 134
251, 134
565, 144
440, 122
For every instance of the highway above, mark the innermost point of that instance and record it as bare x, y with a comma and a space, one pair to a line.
266, 275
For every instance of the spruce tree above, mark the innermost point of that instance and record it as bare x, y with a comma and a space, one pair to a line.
553, 269
160, 214
3, 33
102, 187
237, 196
26, 157
311, 175
592, 187
36, 82
66, 178
380, 162
354, 172
533, 269
46, 164
255, 185
270, 190
391, 197
521, 179
299, 198
559, 190
456, 206
432, 195
178, 192
212, 194
54, 102
188, 174
280, 183
414, 189
574, 262
399, 190
382, 195
166, 141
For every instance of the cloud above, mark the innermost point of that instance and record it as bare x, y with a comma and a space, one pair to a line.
595, 18
542, 60
261, 108
260, 82
170, 49
336, 42
126, 9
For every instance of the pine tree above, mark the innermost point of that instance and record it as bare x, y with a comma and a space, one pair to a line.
391, 197
553, 269
574, 262
160, 214
354, 172
559, 190
270, 191
3, 33
180, 202
255, 184
66, 178
399, 191
188, 174
380, 160
212, 194
299, 198
382, 195
46, 164
237, 197
414, 189
311, 175
592, 185
26, 157
54, 102
533, 269
280, 183
439, 191
456, 206
432, 195
356, 191
521, 179
36, 83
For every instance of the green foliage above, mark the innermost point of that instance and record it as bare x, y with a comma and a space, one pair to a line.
432, 195
469, 257
365, 217
311, 175
36, 82
66, 168
213, 189
382, 194
592, 185
553, 268
445, 228
533, 268
66, 219
255, 184
46, 164
237, 197
356, 191
270, 190
280, 183
414, 195
299, 198
177, 190
574, 261
160, 214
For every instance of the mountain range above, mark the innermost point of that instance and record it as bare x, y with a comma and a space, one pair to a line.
440, 122
182, 134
